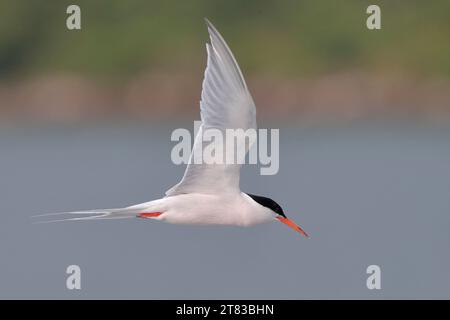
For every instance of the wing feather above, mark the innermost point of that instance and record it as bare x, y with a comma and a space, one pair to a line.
225, 103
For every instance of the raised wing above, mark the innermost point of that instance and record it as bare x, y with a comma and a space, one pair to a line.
225, 103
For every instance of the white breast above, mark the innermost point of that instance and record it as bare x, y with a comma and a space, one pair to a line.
195, 208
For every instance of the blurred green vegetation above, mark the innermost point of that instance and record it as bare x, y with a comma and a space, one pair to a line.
290, 37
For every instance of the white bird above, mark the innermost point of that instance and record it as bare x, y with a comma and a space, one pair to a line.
208, 194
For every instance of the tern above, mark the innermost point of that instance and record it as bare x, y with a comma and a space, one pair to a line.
208, 194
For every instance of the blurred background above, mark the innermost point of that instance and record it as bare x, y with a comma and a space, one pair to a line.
364, 117
304, 60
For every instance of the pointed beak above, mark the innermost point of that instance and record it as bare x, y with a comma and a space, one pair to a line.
292, 225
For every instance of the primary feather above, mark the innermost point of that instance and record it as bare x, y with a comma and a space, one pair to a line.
225, 103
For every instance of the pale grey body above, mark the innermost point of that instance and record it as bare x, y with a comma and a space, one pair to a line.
195, 208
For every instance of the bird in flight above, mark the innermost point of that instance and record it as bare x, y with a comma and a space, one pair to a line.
208, 194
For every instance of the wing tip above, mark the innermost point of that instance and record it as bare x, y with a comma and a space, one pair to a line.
209, 24
219, 44
212, 30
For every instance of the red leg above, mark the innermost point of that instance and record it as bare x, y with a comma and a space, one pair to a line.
149, 214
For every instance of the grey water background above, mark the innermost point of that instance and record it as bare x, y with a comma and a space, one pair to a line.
366, 193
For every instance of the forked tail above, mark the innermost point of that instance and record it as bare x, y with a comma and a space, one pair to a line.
100, 214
